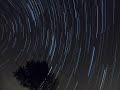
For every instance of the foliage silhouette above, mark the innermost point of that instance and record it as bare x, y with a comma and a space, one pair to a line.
35, 75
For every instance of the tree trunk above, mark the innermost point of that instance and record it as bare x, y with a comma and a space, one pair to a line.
33, 88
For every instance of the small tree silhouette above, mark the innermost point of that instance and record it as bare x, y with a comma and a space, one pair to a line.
36, 75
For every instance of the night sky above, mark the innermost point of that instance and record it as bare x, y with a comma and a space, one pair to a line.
80, 40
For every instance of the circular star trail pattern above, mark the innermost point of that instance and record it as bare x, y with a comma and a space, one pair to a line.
80, 39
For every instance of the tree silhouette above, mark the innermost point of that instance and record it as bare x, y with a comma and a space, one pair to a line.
35, 75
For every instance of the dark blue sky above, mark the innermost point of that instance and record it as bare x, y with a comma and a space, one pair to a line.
80, 39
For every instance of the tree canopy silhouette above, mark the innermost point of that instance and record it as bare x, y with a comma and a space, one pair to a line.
36, 75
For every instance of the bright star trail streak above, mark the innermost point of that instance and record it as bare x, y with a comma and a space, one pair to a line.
80, 40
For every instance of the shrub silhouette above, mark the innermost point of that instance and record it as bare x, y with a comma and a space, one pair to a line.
34, 75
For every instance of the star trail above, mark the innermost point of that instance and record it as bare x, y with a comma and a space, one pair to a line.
80, 40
